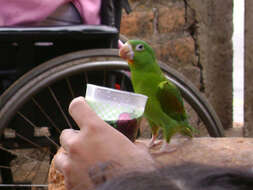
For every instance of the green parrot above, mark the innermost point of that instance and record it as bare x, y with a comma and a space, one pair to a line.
165, 107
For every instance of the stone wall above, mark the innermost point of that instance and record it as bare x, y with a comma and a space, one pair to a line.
194, 37
248, 87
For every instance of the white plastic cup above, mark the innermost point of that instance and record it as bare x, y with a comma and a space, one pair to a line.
121, 109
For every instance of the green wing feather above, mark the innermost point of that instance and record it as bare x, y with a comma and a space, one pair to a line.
171, 100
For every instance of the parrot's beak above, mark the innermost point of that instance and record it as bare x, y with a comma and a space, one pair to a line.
126, 52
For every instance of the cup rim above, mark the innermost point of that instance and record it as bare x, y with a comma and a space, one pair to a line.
139, 99
118, 91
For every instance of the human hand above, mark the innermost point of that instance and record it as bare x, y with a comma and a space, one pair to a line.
95, 144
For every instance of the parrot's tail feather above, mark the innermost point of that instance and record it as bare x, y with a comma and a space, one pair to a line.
188, 130
194, 130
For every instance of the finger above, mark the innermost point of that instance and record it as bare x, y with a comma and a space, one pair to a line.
61, 162
66, 138
83, 115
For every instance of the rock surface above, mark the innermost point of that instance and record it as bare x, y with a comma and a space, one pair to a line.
234, 152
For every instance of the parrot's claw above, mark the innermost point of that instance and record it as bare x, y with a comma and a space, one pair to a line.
152, 142
168, 148
165, 148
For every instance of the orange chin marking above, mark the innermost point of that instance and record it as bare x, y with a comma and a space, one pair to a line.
130, 61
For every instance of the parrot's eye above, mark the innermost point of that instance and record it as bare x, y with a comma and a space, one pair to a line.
139, 47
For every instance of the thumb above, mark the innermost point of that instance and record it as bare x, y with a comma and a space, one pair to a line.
83, 115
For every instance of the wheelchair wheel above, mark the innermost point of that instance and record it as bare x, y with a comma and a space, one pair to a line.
33, 111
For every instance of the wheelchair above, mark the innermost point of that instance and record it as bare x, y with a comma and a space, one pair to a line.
42, 69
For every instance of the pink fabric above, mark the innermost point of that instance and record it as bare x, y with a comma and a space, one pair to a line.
89, 10
26, 12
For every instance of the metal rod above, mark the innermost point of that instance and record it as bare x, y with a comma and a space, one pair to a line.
5, 167
70, 88
28, 140
122, 82
46, 115
35, 127
24, 185
17, 154
60, 108
104, 82
86, 77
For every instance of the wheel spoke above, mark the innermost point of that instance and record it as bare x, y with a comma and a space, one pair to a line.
34, 127
70, 87
122, 82
24, 185
17, 154
28, 140
5, 167
35, 144
60, 107
104, 82
86, 77
46, 115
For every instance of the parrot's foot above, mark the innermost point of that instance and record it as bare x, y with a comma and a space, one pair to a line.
152, 142
165, 148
